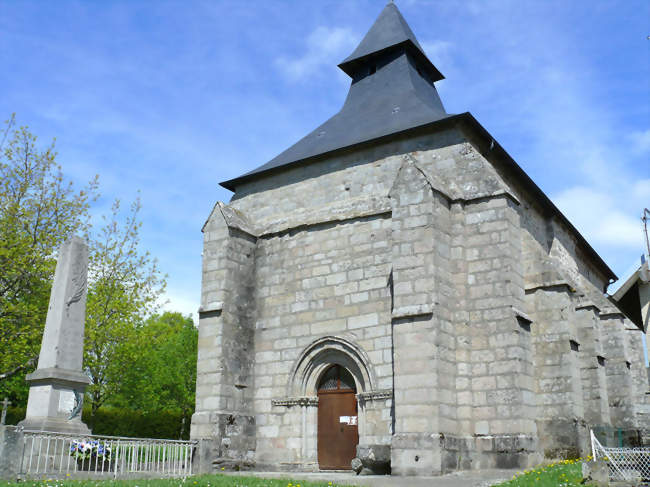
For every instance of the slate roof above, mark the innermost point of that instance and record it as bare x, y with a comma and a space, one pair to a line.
389, 30
392, 90
393, 95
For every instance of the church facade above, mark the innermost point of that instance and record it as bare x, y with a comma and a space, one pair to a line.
395, 288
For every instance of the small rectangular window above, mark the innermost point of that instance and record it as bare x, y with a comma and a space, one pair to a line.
601, 360
575, 346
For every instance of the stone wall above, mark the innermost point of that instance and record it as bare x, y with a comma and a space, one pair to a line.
320, 280
225, 381
423, 338
472, 321
562, 429
592, 365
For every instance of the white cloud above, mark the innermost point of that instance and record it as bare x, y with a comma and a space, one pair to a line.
325, 47
603, 218
641, 141
181, 302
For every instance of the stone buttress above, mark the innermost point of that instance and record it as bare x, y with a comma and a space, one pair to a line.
225, 378
422, 333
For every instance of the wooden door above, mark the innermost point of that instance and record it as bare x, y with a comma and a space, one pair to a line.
338, 433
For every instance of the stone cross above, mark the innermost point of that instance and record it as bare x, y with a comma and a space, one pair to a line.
59, 379
5, 405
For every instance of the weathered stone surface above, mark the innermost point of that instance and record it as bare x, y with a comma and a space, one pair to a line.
375, 459
596, 471
11, 450
444, 301
471, 317
57, 386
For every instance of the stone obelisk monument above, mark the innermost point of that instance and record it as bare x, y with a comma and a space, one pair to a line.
58, 383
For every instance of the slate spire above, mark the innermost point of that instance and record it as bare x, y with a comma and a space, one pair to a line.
392, 90
390, 30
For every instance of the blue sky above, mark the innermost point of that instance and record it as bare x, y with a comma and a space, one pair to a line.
170, 98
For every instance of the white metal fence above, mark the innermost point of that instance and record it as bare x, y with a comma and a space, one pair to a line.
624, 463
61, 455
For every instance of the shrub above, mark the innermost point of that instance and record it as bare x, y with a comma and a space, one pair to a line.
111, 421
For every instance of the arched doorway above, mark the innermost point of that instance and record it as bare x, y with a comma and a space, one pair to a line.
338, 433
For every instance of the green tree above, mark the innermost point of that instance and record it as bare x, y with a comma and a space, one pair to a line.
124, 287
163, 377
39, 209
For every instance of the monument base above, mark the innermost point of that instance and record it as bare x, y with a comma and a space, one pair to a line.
55, 401
56, 425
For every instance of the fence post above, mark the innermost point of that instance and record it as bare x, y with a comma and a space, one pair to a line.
12, 443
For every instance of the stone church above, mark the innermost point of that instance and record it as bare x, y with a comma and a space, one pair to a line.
394, 287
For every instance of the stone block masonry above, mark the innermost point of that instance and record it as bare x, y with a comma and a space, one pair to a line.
395, 282
620, 384
474, 328
423, 375
562, 429
224, 367
592, 365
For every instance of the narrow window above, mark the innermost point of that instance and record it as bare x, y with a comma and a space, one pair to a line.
601, 360
575, 346
628, 365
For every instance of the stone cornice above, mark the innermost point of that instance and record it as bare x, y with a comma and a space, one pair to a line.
338, 211
520, 314
414, 310
305, 401
608, 313
540, 285
379, 395
587, 305
213, 308
55, 375
481, 197
312, 401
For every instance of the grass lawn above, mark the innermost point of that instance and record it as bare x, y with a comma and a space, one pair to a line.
567, 473
198, 481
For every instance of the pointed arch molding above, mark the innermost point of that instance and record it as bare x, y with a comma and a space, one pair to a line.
318, 356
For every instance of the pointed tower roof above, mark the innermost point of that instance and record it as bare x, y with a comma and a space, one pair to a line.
389, 30
392, 90
393, 94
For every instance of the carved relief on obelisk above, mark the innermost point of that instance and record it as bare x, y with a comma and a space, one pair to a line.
58, 383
